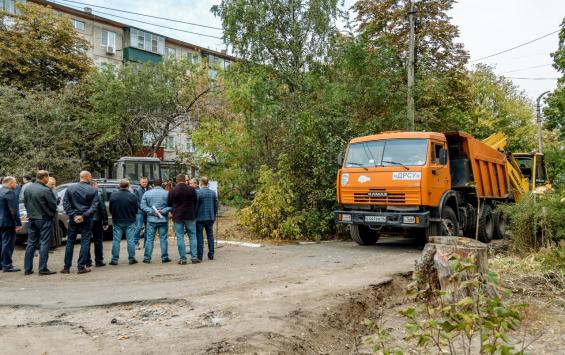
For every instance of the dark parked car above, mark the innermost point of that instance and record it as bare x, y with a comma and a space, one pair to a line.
105, 189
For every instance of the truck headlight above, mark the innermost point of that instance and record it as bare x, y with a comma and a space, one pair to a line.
344, 179
346, 218
409, 219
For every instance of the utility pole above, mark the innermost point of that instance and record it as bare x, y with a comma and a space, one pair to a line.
411, 49
539, 122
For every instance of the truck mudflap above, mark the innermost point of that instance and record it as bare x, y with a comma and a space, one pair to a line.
389, 219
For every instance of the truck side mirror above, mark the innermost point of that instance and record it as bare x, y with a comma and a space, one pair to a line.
340, 159
443, 156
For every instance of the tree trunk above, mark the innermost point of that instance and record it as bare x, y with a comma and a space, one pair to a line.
436, 267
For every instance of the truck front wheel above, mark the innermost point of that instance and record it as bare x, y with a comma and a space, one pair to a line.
449, 224
363, 235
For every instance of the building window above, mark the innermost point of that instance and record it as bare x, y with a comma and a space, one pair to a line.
171, 52
195, 58
9, 6
190, 145
79, 25
227, 64
212, 61
108, 39
147, 41
169, 143
147, 138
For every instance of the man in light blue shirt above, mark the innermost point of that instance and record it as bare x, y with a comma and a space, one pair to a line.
154, 203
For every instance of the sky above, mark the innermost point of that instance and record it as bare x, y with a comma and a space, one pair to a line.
486, 27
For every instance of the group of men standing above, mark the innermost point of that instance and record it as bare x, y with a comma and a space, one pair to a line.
194, 209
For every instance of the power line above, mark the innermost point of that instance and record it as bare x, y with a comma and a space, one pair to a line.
152, 24
527, 68
515, 78
141, 14
515, 47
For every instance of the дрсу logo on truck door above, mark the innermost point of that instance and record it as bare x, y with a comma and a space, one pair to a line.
407, 175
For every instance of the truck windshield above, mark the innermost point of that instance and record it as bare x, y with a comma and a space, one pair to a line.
392, 152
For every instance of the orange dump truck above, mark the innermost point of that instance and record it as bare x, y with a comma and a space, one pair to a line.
424, 183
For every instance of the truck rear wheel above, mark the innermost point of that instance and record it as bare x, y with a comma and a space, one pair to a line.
499, 225
363, 235
486, 224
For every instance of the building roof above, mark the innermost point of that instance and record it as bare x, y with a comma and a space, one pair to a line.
101, 19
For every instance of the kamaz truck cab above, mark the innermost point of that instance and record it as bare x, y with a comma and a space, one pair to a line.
389, 182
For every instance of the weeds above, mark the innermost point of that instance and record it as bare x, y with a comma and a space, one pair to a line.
478, 323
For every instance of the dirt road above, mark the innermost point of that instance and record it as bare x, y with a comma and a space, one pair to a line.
248, 300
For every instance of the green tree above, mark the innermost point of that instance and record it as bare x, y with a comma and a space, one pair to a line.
441, 96
555, 111
497, 105
40, 49
154, 98
41, 133
289, 36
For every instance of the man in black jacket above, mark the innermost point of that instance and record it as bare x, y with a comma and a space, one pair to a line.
123, 208
41, 206
10, 223
99, 224
80, 204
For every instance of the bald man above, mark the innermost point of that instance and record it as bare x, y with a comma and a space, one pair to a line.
80, 204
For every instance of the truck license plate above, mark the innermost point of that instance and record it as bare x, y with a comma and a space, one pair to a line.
380, 219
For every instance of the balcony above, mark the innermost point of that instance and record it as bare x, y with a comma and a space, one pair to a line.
138, 55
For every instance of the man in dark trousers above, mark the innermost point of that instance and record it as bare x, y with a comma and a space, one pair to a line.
206, 212
182, 199
80, 204
10, 223
99, 224
41, 206
141, 217
123, 208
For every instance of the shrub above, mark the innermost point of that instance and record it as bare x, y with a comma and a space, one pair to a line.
272, 213
542, 214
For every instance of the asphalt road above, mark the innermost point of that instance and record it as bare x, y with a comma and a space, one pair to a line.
245, 296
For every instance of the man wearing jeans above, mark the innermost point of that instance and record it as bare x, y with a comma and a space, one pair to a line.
182, 199
206, 212
141, 217
41, 207
80, 204
154, 204
123, 208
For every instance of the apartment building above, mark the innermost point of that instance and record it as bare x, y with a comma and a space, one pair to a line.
116, 43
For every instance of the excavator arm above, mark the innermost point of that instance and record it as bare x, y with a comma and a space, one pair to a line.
519, 185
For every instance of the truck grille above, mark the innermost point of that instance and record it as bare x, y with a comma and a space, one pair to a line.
382, 196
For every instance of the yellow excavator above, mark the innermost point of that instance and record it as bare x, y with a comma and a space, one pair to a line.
526, 171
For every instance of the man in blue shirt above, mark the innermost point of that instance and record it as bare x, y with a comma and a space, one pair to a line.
206, 212
154, 204
10, 223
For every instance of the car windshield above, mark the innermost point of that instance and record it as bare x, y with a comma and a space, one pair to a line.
387, 153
